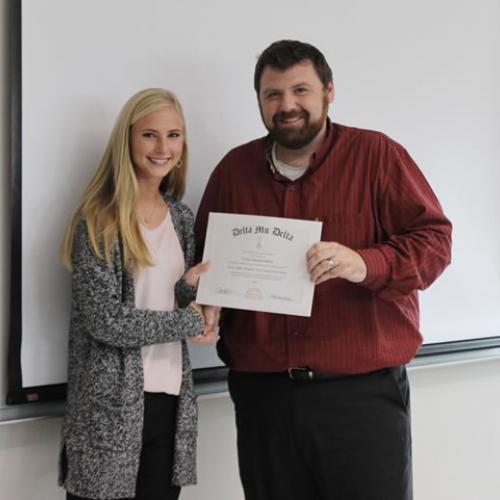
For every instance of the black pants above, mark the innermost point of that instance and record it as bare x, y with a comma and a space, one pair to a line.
340, 439
155, 469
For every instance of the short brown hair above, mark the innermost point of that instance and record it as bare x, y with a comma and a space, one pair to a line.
284, 54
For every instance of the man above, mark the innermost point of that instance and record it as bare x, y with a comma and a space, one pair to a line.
322, 403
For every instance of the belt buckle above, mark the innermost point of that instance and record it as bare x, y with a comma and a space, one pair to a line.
301, 373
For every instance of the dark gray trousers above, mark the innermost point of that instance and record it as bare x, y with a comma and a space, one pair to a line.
346, 438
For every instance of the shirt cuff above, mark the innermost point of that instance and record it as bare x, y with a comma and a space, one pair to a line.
184, 293
198, 321
377, 268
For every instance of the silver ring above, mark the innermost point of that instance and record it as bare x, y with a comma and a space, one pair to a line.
331, 263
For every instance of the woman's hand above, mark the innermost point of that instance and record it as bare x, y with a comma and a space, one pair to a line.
192, 275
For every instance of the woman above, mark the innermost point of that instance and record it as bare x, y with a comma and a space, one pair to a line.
130, 424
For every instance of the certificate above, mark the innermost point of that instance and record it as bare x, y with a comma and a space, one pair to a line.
258, 263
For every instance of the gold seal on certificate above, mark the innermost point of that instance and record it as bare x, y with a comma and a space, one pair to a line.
258, 263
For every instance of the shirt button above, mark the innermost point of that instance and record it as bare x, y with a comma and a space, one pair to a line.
295, 333
292, 188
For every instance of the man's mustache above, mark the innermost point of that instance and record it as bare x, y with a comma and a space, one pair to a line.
289, 115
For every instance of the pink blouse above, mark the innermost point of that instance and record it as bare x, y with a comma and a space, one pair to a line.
154, 290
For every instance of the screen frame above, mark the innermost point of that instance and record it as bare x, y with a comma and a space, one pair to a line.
16, 393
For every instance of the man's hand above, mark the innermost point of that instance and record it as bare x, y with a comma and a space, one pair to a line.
327, 260
208, 338
211, 334
211, 315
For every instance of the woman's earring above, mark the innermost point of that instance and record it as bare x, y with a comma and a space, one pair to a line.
179, 163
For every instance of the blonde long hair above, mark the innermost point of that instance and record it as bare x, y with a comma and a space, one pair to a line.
109, 202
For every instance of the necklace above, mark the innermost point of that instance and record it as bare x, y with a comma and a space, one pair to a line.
147, 219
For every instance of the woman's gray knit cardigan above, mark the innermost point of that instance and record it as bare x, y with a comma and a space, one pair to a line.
102, 430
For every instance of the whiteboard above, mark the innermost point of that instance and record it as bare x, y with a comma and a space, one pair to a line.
426, 73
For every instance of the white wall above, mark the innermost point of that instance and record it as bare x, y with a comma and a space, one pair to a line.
397, 69
456, 431
456, 411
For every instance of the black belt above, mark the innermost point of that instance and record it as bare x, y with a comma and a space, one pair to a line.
305, 374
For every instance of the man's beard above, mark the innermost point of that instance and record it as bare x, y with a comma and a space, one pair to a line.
292, 137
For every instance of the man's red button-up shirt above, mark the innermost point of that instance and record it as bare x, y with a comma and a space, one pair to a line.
371, 197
